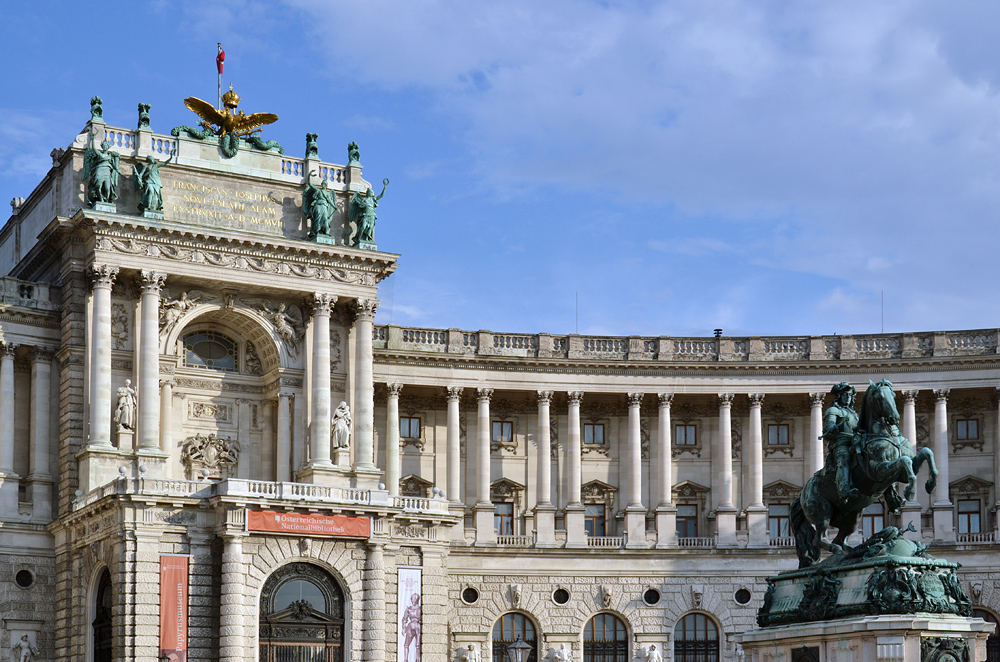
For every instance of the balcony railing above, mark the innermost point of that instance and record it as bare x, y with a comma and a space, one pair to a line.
976, 538
781, 542
696, 543
606, 541
514, 541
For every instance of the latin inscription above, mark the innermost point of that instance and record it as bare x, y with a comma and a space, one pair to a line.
224, 206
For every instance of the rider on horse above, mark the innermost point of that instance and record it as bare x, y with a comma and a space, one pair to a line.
839, 425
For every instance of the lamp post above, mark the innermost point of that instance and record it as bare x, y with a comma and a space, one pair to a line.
518, 651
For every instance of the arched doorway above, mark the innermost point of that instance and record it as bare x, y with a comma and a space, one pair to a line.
605, 639
301, 616
993, 643
696, 639
509, 628
102, 625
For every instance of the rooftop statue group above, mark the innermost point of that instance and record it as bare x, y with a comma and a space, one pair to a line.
866, 457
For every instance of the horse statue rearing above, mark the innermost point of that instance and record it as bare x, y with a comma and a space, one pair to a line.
867, 457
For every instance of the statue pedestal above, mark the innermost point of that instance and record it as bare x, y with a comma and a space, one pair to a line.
325, 239
157, 215
888, 638
367, 246
106, 206
332, 476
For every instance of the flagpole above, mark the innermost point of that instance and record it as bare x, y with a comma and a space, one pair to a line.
218, 64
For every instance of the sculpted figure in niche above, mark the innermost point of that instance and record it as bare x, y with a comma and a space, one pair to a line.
320, 204
100, 171
562, 655
839, 425
148, 184
653, 655
125, 411
341, 428
23, 650
363, 213
470, 654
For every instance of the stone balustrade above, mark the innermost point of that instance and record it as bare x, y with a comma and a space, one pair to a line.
687, 350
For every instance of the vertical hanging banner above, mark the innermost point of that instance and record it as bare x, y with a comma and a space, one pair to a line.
173, 607
409, 612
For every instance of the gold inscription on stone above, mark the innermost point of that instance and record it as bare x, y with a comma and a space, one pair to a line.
235, 208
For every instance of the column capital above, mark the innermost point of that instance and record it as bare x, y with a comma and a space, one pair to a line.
40, 354
453, 393
635, 399
151, 282
664, 399
364, 309
816, 399
167, 382
285, 394
941, 394
725, 400
394, 389
320, 303
8, 349
484, 394
544, 397
756, 400
575, 397
102, 276
910, 397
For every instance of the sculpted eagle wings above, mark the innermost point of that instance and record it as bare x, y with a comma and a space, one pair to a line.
245, 123
205, 111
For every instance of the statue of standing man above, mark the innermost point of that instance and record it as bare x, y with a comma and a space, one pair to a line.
363, 214
125, 411
320, 204
148, 184
341, 428
100, 171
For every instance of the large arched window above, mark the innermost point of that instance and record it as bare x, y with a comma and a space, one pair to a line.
301, 616
509, 628
102, 619
605, 639
208, 349
696, 639
993, 643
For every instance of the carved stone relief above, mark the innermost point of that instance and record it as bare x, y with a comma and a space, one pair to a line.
119, 326
219, 455
220, 413
253, 364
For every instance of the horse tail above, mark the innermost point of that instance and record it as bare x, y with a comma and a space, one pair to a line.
805, 546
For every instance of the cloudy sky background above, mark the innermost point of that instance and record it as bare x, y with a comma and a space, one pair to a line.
676, 167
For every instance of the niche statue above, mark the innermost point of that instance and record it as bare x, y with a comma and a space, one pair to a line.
341, 428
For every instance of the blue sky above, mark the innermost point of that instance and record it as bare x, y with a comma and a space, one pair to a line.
763, 167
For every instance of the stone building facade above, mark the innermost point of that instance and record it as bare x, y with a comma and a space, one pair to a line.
166, 379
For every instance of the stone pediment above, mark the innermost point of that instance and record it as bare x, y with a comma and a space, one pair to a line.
781, 490
969, 485
689, 488
505, 487
597, 488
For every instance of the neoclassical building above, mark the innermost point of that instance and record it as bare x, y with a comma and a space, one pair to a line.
209, 451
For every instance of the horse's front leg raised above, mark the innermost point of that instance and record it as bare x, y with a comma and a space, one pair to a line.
926, 455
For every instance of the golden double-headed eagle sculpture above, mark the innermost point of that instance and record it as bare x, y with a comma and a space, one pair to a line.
227, 121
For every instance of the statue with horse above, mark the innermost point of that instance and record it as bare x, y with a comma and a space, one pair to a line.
867, 456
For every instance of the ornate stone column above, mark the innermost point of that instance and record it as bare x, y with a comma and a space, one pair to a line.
9, 480
756, 512
545, 512
232, 635
150, 283
364, 395
392, 439
39, 475
267, 428
166, 413
283, 438
725, 513
666, 511
321, 409
911, 509
102, 278
635, 514
454, 396
944, 516
374, 587
576, 535
485, 533
816, 454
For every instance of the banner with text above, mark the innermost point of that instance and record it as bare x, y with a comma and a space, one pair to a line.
409, 608
309, 524
173, 607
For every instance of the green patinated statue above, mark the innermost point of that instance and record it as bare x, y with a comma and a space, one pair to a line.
312, 149
353, 154
840, 422
148, 185
100, 171
144, 115
363, 215
319, 204
96, 109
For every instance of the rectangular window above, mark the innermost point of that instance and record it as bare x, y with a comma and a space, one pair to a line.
968, 516
593, 433
684, 435
503, 518
409, 428
777, 520
872, 520
503, 431
777, 435
968, 428
594, 519
687, 521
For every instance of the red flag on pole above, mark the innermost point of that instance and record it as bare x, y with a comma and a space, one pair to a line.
220, 58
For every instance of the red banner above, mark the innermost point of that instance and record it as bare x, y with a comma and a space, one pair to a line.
173, 608
309, 524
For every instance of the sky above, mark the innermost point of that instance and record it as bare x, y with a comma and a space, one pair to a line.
619, 168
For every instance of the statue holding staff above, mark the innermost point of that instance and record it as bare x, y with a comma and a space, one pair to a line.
363, 213
148, 185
